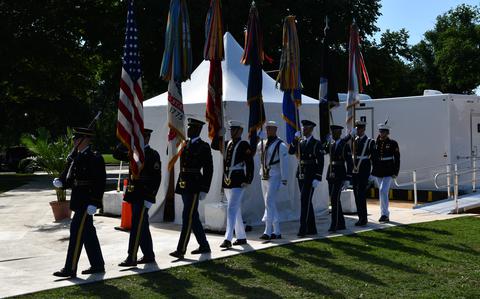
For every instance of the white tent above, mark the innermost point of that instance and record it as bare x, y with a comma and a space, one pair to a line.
235, 78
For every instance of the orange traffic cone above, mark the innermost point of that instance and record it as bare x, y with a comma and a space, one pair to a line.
126, 219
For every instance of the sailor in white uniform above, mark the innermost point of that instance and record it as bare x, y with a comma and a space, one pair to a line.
273, 172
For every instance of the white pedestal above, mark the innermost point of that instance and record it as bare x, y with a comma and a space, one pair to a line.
348, 201
112, 202
216, 216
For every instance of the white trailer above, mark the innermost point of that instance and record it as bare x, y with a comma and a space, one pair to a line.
432, 131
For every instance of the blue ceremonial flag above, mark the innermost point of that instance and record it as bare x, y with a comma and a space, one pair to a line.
292, 99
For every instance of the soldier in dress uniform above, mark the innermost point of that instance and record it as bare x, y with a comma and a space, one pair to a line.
386, 166
85, 175
195, 177
274, 172
141, 193
237, 174
309, 174
362, 166
339, 175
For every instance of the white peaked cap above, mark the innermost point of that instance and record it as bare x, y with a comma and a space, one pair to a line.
383, 126
272, 123
235, 123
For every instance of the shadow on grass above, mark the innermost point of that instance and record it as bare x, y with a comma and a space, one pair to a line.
103, 289
390, 243
168, 285
231, 280
360, 252
272, 265
323, 259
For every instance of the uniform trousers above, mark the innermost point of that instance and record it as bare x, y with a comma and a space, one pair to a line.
384, 184
270, 192
82, 232
140, 232
360, 183
307, 214
234, 214
335, 190
191, 222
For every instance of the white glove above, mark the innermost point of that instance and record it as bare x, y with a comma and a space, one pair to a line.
298, 134
329, 138
147, 204
57, 183
284, 182
91, 210
262, 134
315, 183
353, 132
346, 184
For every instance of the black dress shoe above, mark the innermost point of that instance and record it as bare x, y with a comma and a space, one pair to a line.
146, 260
332, 229
201, 250
358, 223
177, 254
265, 237
128, 263
301, 235
65, 273
275, 237
312, 233
240, 242
226, 244
93, 270
384, 219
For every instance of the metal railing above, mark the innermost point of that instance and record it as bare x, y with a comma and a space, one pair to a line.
451, 170
456, 181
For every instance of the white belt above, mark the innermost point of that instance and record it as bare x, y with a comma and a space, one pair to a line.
362, 157
386, 159
237, 167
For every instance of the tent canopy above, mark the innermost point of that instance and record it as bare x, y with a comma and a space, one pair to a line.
235, 81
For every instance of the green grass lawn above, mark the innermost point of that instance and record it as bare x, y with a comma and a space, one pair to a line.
430, 260
12, 181
109, 159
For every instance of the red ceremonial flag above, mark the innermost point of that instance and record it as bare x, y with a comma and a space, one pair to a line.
214, 52
356, 72
130, 104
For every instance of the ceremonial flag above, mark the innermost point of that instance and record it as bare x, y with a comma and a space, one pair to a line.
176, 68
327, 92
253, 55
214, 52
130, 104
356, 72
289, 78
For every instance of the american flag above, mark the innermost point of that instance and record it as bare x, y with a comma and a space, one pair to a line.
130, 104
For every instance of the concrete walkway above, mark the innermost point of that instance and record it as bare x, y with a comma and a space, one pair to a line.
32, 247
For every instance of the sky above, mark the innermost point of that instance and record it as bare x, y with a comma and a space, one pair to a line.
417, 16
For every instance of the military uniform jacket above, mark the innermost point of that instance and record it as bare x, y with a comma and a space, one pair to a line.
387, 158
196, 168
341, 163
86, 177
275, 158
364, 155
145, 187
239, 171
310, 164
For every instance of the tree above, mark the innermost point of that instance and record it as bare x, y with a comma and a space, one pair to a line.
447, 58
61, 60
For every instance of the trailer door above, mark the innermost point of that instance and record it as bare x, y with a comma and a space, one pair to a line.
366, 115
475, 134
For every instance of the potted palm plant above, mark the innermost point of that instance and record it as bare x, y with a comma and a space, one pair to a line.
51, 156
